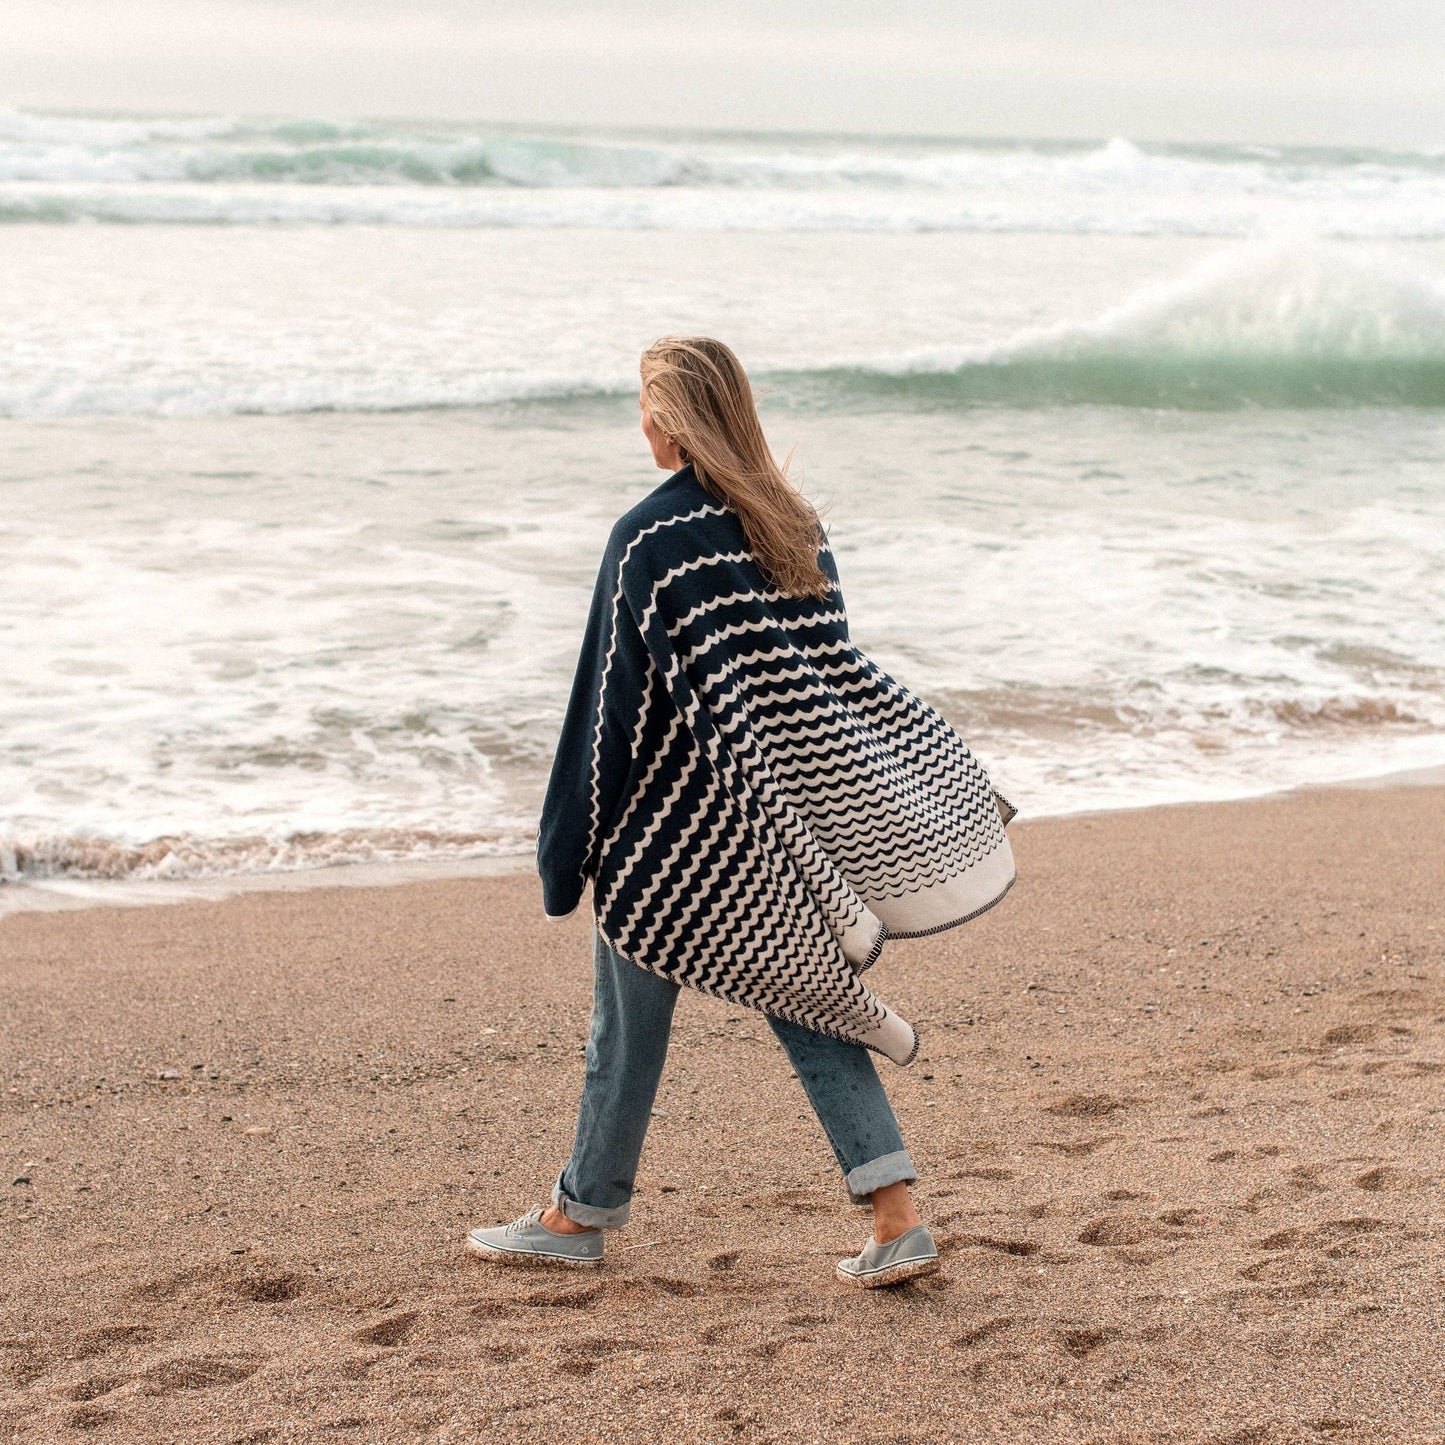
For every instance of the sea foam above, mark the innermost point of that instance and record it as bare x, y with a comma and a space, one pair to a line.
1278, 323
227, 171
1284, 323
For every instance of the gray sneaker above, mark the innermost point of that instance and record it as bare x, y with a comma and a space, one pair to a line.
912, 1254
528, 1241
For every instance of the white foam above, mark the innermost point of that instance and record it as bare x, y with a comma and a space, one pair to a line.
1410, 212
1281, 298
184, 353
53, 895
174, 393
222, 171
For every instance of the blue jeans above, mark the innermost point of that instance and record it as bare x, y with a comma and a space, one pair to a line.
631, 1021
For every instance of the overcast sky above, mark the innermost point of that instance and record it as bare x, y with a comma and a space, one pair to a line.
1328, 71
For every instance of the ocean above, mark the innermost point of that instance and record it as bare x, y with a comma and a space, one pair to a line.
1133, 457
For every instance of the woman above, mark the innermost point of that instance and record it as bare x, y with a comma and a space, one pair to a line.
757, 807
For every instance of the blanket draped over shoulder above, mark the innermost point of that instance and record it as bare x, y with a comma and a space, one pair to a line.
757, 804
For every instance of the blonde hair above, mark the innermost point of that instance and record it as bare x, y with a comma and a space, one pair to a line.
699, 395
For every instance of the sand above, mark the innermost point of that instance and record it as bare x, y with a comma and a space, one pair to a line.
1178, 1111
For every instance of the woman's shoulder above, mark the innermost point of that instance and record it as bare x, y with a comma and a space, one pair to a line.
667, 520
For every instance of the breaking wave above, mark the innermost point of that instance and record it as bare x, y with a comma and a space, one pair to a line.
1279, 324
227, 171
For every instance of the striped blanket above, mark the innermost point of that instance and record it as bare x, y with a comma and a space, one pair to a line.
757, 805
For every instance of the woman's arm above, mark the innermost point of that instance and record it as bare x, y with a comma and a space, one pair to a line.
594, 752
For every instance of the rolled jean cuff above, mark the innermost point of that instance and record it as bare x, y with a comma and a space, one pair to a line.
895, 1168
590, 1214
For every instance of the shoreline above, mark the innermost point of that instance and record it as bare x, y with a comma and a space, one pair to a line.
1177, 1118
68, 894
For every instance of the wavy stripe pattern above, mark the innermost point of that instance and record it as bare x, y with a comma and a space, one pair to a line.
787, 804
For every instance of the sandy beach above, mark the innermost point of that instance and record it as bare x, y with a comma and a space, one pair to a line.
1178, 1113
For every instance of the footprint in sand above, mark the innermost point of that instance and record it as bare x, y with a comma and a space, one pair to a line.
1188, 1218
1022, 1247
1328, 1235
1356, 1242
621, 1292
582, 1356
800, 1201
1087, 1106
394, 1330
1080, 1341
105, 1338
738, 1422
1283, 1239
1112, 1229
179, 1282
1244, 1435
272, 1288
1074, 1148
1388, 1177
571, 1366
198, 1372
25, 1358
1306, 1178
986, 1331
567, 1299
89, 1417
504, 1352
678, 1288
1343, 1034
1394, 995
491, 1309
1284, 1265
358, 1367
95, 1387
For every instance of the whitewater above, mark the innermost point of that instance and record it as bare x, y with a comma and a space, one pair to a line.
227, 170
1131, 456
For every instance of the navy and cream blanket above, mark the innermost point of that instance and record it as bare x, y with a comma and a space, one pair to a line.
757, 804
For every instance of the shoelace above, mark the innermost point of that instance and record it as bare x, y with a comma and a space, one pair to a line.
526, 1221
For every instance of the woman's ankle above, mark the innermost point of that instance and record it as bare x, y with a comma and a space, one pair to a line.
893, 1212
558, 1223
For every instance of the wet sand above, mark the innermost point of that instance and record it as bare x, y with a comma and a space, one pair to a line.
1179, 1114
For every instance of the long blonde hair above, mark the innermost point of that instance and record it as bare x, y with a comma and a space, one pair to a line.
699, 395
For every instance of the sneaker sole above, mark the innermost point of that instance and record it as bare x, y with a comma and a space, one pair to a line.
894, 1274
528, 1257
